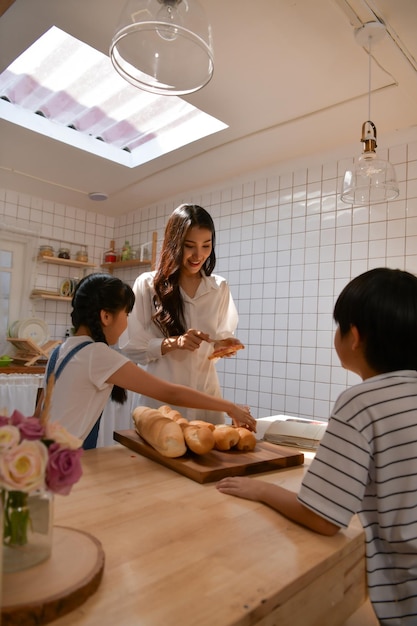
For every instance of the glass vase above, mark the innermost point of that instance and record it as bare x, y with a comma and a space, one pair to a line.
27, 529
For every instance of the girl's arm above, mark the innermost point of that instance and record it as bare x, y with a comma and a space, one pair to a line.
278, 498
133, 378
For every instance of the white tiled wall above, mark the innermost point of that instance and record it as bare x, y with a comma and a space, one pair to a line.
287, 246
57, 225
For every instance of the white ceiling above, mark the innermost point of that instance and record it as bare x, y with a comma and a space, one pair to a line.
290, 80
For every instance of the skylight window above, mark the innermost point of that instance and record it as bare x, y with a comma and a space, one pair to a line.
67, 90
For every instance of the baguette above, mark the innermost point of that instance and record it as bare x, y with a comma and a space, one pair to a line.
181, 421
164, 409
247, 440
159, 431
175, 415
225, 437
199, 439
202, 423
172, 414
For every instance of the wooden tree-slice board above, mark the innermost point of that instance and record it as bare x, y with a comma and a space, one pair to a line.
41, 594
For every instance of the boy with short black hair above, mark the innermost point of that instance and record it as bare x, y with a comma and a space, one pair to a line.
367, 460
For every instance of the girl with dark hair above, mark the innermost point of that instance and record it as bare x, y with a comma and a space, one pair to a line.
87, 370
183, 312
366, 462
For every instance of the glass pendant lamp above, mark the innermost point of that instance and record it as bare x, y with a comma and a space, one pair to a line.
371, 180
163, 46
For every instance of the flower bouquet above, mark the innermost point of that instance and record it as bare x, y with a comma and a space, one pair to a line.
37, 457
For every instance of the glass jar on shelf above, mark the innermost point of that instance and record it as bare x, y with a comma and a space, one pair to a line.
46, 251
64, 253
82, 255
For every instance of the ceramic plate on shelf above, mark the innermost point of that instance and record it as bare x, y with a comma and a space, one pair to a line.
67, 287
31, 328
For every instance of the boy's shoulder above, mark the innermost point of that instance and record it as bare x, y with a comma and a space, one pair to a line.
381, 385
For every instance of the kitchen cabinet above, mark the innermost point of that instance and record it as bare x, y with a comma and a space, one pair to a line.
110, 267
44, 294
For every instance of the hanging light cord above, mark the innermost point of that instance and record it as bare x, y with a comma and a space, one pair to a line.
369, 78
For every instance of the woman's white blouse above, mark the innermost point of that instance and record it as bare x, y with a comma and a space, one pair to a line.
211, 310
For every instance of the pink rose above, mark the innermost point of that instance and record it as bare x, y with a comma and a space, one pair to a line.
4, 420
63, 469
31, 428
22, 468
16, 418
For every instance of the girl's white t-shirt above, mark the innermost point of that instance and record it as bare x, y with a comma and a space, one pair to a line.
81, 391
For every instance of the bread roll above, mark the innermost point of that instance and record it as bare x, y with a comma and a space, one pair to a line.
167, 411
176, 416
198, 438
159, 431
202, 423
225, 437
247, 440
172, 414
164, 409
225, 351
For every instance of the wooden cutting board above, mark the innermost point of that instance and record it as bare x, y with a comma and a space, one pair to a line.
216, 465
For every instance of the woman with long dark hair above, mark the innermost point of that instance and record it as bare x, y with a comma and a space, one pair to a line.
183, 313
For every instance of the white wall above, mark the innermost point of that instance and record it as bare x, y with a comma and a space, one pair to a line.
287, 246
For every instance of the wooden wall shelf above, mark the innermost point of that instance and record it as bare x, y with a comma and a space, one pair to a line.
43, 294
134, 262
49, 296
68, 262
124, 264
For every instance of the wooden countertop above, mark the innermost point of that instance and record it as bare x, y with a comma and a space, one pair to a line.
181, 553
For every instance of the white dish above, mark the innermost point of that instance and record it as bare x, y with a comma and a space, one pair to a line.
32, 328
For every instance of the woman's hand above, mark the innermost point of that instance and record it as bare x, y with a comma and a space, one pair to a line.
191, 340
241, 417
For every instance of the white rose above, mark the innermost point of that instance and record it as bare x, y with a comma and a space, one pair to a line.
9, 437
22, 468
